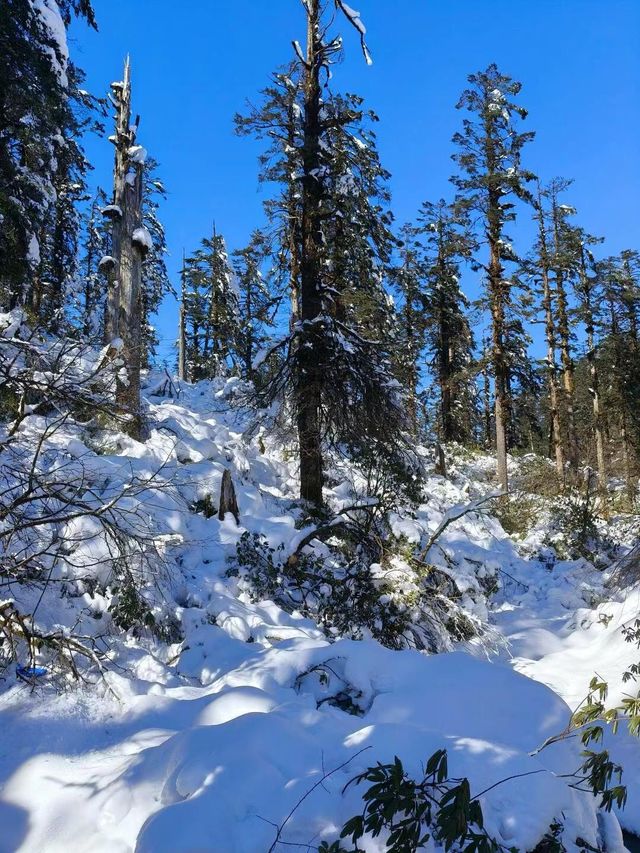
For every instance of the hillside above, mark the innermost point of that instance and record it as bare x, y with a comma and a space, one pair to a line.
246, 717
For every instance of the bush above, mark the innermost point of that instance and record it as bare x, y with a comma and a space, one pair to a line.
357, 589
518, 513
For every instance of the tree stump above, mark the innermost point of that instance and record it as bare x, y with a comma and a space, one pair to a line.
440, 461
228, 502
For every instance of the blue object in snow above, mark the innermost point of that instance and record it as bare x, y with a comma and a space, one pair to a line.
30, 671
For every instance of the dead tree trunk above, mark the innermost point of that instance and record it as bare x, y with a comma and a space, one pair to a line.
182, 365
228, 501
121, 99
130, 242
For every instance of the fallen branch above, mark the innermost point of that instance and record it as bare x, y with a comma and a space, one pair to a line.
449, 518
321, 531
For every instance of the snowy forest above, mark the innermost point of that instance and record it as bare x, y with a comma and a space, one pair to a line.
356, 567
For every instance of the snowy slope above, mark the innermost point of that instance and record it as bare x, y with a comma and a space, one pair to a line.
213, 740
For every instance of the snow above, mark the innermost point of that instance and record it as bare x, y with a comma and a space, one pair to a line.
143, 238
215, 737
137, 154
50, 13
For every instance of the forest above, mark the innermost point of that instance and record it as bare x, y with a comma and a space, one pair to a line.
356, 566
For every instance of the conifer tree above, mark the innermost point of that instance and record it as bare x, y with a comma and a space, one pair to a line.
87, 303
255, 303
41, 120
154, 282
542, 270
620, 346
563, 265
491, 176
409, 279
211, 310
278, 121
447, 242
336, 374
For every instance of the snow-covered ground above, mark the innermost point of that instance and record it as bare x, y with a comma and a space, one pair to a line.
213, 742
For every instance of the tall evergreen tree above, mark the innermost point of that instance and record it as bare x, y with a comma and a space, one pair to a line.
448, 242
211, 310
491, 176
336, 373
41, 162
256, 303
409, 278
155, 283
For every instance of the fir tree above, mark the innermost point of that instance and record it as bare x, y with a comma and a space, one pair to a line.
41, 163
334, 369
491, 176
210, 306
155, 284
448, 242
256, 303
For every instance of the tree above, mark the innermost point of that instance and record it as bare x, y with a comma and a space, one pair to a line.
88, 302
255, 302
154, 282
409, 279
210, 304
621, 348
130, 244
447, 242
278, 121
333, 366
542, 269
491, 175
41, 162
563, 265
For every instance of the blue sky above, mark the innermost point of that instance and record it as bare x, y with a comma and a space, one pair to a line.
196, 63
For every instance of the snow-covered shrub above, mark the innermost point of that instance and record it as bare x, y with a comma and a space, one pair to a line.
574, 525
518, 513
74, 531
358, 588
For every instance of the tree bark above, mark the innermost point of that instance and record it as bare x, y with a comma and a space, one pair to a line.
309, 355
228, 500
182, 344
122, 97
550, 333
123, 315
500, 369
593, 378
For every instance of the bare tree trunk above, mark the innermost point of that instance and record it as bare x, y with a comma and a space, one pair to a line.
593, 378
132, 251
497, 297
114, 212
124, 268
550, 332
228, 501
486, 397
309, 379
182, 364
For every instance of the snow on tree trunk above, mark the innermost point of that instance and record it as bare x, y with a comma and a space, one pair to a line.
129, 245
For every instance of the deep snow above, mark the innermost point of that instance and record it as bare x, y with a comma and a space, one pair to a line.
214, 740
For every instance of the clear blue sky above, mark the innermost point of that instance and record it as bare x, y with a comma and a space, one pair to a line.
196, 63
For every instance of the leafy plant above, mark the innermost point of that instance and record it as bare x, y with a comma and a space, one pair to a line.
411, 812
